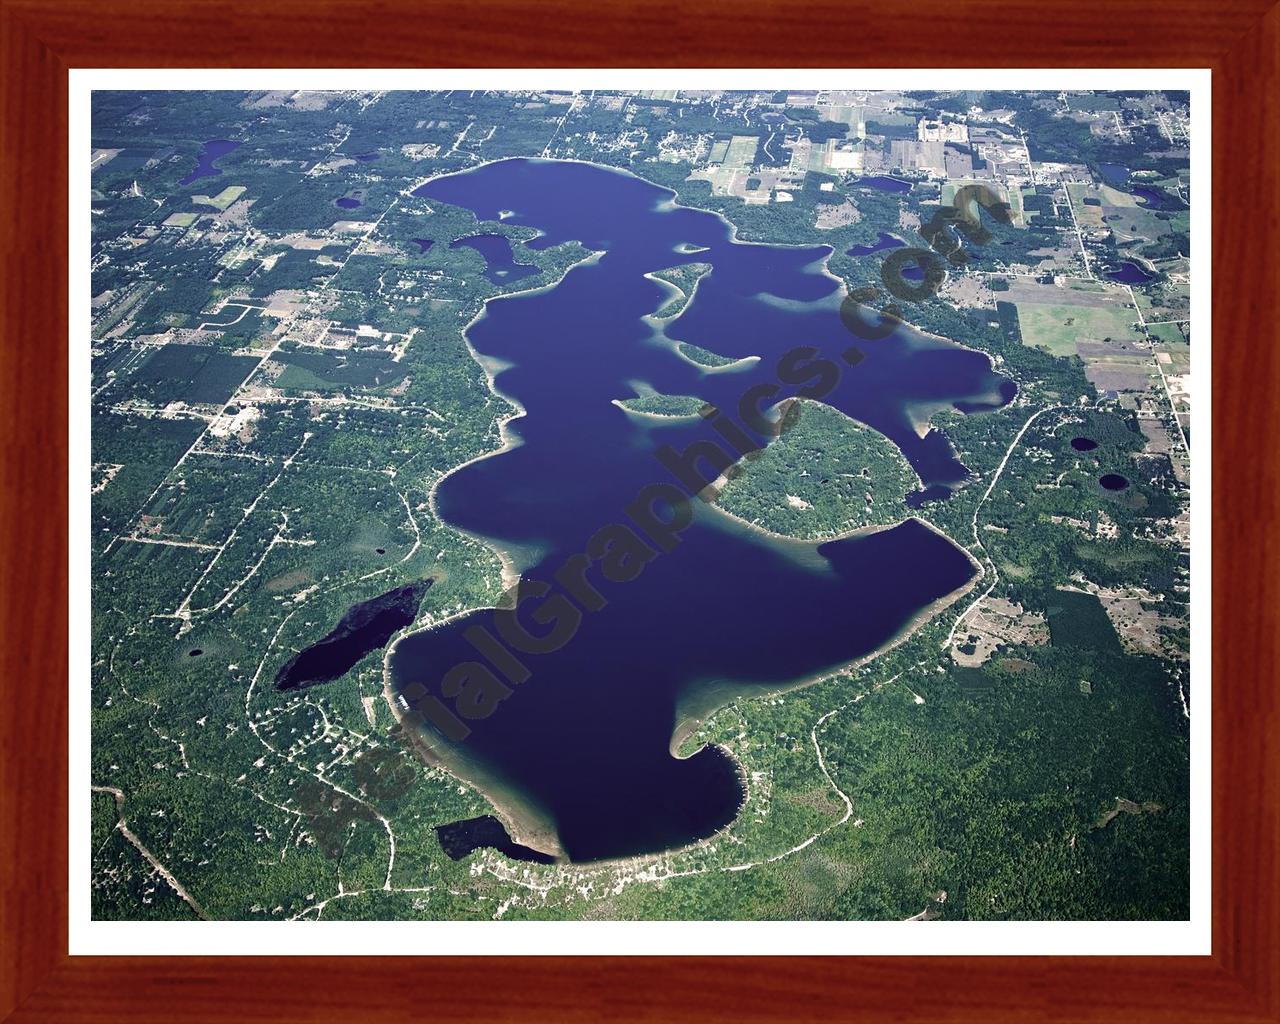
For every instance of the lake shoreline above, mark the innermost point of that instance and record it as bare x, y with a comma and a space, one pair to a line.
686, 724
645, 774
524, 828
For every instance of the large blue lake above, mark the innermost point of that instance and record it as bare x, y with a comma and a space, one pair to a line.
578, 754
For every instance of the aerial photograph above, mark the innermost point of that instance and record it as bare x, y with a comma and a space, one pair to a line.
713, 505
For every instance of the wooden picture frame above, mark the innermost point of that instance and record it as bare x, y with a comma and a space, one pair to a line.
42, 39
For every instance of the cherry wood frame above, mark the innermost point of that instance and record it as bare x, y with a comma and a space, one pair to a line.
41, 39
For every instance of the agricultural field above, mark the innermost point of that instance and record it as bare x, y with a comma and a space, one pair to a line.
1058, 329
223, 199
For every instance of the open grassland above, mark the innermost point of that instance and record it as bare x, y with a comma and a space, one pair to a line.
223, 199
1056, 329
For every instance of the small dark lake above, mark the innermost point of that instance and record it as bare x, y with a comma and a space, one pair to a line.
460, 839
367, 156
348, 203
580, 754
1113, 482
212, 151
1151, 198
1115, 175
885, 241
366, 627
883, 183
1118, 176
1130, 273
1083, 444
423, 244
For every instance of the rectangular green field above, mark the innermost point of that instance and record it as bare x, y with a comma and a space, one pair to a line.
742, 151
1179, 357
1011, 196
1089, 214
1130, 223
1105, 194
223, 199
1058, 328
1168, 333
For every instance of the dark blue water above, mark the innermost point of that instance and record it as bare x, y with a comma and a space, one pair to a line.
348, 203
1151, 198
937, 492
423, 244
581, 745
1006, 391
366, 627
1116, 175
462, 838
1083, 444
1113, 482
501, 266
883, 184
213, 150
1129, 273
367, 156
885, 241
